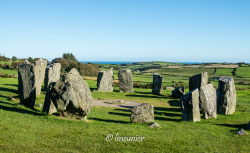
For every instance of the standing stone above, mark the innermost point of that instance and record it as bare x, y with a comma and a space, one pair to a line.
208, 101
157, 84
49, 106
26, 84
226, 96
190, 106
105, 81
125, 80
178, 92
70, 95
52, 74
198, 80
40, 66
142, 113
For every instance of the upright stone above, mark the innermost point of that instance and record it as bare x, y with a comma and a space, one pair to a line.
208, 101
105, 81
70, 95
190, 106
49, 106
52, 74
226, 96
142, 113
157, 84
40, 66
125, 80
198, 80
178, 92
26, 84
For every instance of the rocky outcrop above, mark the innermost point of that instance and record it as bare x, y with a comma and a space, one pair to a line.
190, 106
52, 74
157, 84
125, 81
105, 80
198, 80
226, 94
208, 101
142, 113
40, 66
178, 92
70, 95
26, 84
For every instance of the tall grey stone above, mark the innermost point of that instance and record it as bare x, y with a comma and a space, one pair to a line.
125, 80
190, 106
198, 80
52, 74
48, 106
142, 113
105, 80
226, 96
40, 66
208, 101
157, 84
70, 95
26, 84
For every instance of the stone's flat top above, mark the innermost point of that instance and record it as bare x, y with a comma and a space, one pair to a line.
226, 79
126, 104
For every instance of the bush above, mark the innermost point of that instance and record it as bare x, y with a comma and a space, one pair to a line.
69, 56
84, 69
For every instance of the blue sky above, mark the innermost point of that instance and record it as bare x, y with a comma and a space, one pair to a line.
127, 30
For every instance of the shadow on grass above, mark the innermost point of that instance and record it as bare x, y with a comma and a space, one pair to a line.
13, 85
167, 109
93, 89
9, 90
6, 103
167, 119
124, 106
106, 120
174, 103
121, 114
167, 114
238, 126
19, 110
144, 96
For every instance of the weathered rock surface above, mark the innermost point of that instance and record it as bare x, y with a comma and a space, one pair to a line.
125, 80
157, 84
198, 80
142, 113
40, 66
241, 132
52, 74
26, 84
48, 106
154, 125
178, 92
226, 94
70, 95
190, 106
105, 80
208, 101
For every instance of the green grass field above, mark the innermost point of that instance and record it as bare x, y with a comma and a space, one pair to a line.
28, 131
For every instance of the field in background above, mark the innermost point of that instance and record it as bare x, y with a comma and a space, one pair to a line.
25, 130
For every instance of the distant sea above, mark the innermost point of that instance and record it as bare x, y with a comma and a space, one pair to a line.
129, 62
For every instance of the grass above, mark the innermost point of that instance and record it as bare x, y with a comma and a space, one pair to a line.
25, 130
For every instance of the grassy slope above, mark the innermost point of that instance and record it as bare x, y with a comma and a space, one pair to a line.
24, 130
